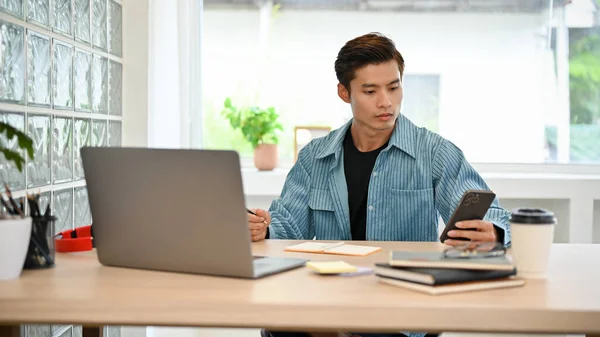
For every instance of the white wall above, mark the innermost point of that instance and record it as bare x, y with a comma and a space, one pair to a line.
173, 74
496, 76
135, 73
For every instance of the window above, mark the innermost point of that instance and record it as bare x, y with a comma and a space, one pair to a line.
421, 102
584, 98
519, 78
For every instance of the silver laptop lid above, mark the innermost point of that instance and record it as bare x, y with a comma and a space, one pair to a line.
168, 209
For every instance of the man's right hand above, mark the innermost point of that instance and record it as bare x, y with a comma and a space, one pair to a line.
258, 224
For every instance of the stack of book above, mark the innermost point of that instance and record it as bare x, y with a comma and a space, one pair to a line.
432, 273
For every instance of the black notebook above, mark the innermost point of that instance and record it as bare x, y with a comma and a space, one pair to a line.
438, 276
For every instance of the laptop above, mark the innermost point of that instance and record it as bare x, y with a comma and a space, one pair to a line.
177, 210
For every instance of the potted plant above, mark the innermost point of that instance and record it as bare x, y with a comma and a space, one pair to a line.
15, 228
260, 127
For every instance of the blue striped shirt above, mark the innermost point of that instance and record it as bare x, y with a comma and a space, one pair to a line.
416, 178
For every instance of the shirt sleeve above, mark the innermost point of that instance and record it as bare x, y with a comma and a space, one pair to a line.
453, 175
290, 214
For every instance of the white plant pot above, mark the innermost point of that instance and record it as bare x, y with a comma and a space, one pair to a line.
14, 243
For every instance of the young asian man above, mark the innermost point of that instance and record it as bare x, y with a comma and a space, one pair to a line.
379, 176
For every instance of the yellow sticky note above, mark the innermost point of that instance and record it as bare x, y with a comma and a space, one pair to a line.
331, 267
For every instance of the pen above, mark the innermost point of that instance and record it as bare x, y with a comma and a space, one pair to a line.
15, 206
249, 211
5, 204
33, 206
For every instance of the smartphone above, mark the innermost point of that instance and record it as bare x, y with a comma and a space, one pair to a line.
473, 205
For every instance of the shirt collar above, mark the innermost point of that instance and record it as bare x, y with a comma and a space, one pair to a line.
403, 137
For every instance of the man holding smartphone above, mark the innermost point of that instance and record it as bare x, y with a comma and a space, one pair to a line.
379, 176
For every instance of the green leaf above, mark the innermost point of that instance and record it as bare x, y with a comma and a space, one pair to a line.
13, 156
10, 132
24, 142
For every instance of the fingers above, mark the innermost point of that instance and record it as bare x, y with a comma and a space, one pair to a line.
463, 243
254, 218
472, 235
264, 215
484, 231
260, 212
480, 225
257, 231
256, 225
454, 243
261, 216
259, 237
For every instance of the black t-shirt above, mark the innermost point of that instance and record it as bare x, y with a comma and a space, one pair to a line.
357, 168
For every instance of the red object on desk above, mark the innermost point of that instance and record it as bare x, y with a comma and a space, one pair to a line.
75, 240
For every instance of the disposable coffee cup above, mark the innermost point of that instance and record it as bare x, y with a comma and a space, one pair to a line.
532, 235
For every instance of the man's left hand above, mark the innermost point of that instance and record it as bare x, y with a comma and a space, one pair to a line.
484, 232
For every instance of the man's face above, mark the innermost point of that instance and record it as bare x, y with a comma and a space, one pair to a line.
375, 95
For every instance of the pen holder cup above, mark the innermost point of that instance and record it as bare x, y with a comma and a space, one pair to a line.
41, 252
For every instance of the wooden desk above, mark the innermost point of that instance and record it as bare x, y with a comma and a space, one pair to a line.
81, 291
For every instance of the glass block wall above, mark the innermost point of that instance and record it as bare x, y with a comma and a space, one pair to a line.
61, 71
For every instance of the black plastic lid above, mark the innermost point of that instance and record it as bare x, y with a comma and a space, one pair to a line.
537, 216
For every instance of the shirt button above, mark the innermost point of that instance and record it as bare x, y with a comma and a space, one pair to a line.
370, 208
375, 174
